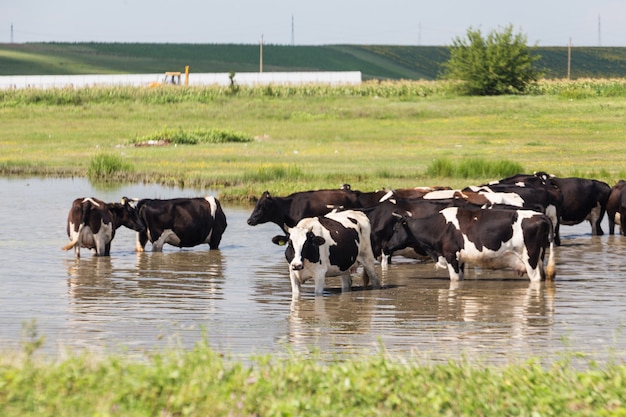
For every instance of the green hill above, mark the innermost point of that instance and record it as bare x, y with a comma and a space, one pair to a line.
374, 61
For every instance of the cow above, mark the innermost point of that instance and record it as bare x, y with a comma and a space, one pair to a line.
329, 245
583, 199
616, 207
489, 238
537, 192
181, 222
287, 211
382, 219
91, 224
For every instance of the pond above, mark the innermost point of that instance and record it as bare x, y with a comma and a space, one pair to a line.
239, 297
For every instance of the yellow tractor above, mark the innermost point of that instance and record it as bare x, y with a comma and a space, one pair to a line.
172, 78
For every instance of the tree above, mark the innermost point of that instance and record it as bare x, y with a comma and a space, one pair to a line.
501, 63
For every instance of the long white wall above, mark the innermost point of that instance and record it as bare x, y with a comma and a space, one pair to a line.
241, 78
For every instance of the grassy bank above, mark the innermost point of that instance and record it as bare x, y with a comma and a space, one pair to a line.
200, 382
372, 136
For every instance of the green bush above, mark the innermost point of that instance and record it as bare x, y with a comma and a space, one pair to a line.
499, 64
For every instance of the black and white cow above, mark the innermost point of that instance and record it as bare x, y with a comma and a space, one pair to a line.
537, 192
488, 238
91, 224
181, 222
382, 219
287, 211
330, 245
616, 207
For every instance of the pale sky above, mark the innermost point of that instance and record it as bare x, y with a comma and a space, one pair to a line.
313, 22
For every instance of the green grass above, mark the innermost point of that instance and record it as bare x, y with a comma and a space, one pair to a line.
201, 382
374, 61
373, 136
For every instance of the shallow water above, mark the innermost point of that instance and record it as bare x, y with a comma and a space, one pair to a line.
239, 297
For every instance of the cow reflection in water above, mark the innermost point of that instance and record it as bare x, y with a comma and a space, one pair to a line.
418, 315
178, 277
491, 313
330, 323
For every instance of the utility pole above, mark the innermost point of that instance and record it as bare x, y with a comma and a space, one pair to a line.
261, 55
599, 32
11, 32
293, 31
569, 58
419, 33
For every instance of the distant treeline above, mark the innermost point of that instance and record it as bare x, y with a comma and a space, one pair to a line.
374, 61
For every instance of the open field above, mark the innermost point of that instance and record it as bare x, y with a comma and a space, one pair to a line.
372, 136
374, 61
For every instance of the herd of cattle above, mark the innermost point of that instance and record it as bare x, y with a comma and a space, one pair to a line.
511, 223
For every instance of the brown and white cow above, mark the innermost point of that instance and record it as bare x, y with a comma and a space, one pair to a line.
616, 207
181, 222
330, 245
488, 238
91, 224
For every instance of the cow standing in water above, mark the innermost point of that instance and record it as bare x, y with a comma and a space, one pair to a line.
181, 222
616, 208
91, 224
489, 238
287, 211
331, 245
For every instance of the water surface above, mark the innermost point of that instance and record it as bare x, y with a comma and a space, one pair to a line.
239, 297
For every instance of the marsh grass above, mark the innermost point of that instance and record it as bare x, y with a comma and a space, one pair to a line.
473, 168
105, 166
191, 137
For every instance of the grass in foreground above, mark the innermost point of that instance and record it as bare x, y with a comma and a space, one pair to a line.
200, 382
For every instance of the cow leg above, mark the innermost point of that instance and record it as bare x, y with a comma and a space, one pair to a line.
295, 284
319, 280
456, 270
611, 224
595, 217
107, 249
346, 281
100, 244
536, 274
370, 274
142, 239
385, 260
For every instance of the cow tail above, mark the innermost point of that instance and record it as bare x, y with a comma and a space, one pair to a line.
76, 240
86, 208
551, 267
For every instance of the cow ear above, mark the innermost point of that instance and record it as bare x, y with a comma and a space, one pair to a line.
280, 240
318, 240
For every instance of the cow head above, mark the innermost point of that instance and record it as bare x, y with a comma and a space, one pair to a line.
400, 236
127, 215
301, 244
262, 210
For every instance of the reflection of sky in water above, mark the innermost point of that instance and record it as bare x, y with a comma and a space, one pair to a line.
240, 296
